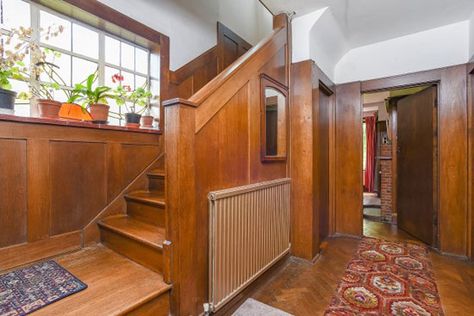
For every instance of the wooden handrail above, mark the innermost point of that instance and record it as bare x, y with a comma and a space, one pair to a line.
230, 71
213, 96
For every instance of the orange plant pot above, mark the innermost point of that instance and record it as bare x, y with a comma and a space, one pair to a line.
48, 108
73, 111
147, 121
99, 112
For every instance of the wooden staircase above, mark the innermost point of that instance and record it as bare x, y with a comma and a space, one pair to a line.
124, 274
139, 234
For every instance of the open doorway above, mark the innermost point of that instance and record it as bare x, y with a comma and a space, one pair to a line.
400, 164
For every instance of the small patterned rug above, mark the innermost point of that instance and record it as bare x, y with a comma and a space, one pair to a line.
387, 278
25, 290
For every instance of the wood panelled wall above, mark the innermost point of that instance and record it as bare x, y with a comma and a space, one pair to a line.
455, 182
191, 77
213, 142
453, 153
348, 163
312, 135
470, 76
54, 180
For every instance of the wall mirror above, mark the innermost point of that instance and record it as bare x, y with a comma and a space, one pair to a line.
274, 119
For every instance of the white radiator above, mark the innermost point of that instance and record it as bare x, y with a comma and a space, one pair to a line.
249, 232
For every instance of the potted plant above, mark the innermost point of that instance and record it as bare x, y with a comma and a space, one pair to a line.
43, 93
95, 99
11, 65
11, 61
131, 99
147, 118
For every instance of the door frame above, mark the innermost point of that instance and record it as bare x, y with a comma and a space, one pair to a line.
436, 179
428, 78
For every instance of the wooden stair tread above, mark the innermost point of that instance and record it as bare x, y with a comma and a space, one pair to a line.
151, 197
116, 285
145, 233
156, 173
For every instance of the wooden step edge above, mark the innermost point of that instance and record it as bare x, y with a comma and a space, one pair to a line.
156, 173
158, 201
166, 288
139, 239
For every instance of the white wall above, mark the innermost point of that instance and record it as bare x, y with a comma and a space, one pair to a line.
248, 18
471, 36
318, 36
191, 25
301, 28
435, 48
328, 43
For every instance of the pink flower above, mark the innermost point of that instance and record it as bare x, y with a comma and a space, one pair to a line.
117, 78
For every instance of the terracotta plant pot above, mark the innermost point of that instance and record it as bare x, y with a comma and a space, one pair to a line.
99, 112
72, 111
48, 108
147, 121
132, 119
7, 100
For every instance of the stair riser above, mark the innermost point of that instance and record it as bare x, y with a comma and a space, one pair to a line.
147, 213
158, 306
132, 249
156, 183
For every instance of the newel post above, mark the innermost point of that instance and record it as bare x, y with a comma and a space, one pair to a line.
181, 203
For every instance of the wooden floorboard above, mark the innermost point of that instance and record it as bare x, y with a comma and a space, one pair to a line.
115, 284
304, 289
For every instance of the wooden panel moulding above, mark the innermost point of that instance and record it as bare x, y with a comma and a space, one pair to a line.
77, 170
301, 161
348, 142
57, 179
453, 153
13, 192
29, 252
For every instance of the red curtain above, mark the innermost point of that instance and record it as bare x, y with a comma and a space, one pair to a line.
370, 122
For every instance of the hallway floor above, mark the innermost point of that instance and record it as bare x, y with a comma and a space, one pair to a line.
302, 288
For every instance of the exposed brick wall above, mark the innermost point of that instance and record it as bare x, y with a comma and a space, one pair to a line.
386, 183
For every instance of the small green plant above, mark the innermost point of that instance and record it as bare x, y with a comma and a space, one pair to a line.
90, 94
131, 99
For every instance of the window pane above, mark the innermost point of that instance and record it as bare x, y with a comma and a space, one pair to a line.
85, 41
140, 81
112, 51
114, 113
155, 66
22, 107
16, 13
155, 89
61, 66
81, 69
128, 79
128, 58
141, 61
60, 96
63, 40
109, 72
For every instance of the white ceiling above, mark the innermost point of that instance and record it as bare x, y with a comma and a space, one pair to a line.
368, 21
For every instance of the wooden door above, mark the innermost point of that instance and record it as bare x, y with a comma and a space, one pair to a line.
230, 46
416, 133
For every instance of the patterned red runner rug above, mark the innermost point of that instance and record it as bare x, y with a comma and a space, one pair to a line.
387, 278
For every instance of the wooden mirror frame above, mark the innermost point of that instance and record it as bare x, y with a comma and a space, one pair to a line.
268, 82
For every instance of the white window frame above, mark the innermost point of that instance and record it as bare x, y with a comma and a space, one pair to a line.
35, 11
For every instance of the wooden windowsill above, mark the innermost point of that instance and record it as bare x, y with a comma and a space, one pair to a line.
64, 122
